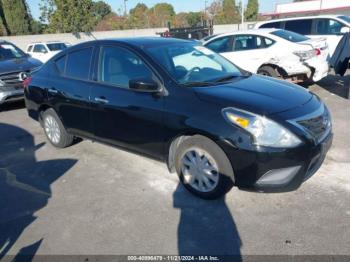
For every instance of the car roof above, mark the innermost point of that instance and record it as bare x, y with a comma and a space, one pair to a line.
149, 41
46, 42
134, 42
298, 18
262, 31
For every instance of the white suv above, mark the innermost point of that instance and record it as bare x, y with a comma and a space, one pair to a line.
43, 51
331, 27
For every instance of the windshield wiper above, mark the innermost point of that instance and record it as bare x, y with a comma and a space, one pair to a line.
194, 84
225, 78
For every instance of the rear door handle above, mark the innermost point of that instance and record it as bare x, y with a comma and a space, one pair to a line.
101, 100
53, 91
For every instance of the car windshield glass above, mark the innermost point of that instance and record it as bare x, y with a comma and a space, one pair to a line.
290, 36
345, 18
9, 51
56, 46
191, 64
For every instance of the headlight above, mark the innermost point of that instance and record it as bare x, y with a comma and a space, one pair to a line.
265, 132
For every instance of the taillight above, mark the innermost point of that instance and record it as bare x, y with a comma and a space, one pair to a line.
317, 51
26, 82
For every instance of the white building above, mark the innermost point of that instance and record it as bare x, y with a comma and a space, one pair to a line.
312, 7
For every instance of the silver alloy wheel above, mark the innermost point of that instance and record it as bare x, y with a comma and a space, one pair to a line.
52, 129
199, 170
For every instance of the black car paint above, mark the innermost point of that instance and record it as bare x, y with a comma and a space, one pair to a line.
148, 123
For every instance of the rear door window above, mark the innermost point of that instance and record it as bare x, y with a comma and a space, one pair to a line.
302, 26
30, 48
221, 45
78, 64
247, 42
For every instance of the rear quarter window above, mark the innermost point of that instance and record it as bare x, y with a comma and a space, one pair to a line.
78, 64
60, 64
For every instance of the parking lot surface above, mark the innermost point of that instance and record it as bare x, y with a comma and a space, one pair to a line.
92, 199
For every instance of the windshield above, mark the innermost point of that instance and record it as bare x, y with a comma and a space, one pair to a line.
345, 18
56, 46
191, 63
9, 51
290, 36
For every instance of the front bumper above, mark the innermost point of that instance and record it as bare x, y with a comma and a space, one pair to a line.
276, 170
11, 94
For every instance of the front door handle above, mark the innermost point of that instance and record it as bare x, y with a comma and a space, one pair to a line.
101, 100
53, 91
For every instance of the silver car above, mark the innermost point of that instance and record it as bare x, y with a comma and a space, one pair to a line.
15, 66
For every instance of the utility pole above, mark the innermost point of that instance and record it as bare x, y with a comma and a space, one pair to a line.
125, 9
242, 15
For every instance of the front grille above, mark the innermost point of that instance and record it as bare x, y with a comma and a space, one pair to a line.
11, 79
318, 126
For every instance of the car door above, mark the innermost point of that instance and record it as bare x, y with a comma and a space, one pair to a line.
329, 29
69, 88
39, 52
121, 116
248, 51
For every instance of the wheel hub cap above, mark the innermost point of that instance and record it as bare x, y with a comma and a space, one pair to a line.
200, 170
52, 129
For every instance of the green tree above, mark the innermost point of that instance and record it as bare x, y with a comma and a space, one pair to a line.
161, 14
251, 13
138, 16
100, 10
3, 26
16, 17
231, 14
68, 16
194, 18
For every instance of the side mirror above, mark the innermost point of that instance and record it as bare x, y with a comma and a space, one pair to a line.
144, 85
344, 30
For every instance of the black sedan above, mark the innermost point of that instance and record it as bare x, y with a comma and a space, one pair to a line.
174, 100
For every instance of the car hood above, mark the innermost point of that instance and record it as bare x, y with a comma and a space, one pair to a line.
257, 94
19, 64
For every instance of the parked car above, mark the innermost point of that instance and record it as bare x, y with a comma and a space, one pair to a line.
15, 66
274, 52
214, 124
43, 51
331, 27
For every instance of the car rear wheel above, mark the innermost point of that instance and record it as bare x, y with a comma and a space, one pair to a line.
55, 131
203, 167
268, 71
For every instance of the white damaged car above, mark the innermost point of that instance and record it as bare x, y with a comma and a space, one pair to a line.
274, 52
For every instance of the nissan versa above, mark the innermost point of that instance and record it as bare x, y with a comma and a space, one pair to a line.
174, 100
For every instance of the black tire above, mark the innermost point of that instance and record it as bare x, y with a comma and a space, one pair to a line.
268, 71
225, 171
65, 139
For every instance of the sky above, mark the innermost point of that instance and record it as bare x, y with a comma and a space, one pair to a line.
179, 5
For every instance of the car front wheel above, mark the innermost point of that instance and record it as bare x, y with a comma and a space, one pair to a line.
203, 167
55, 131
